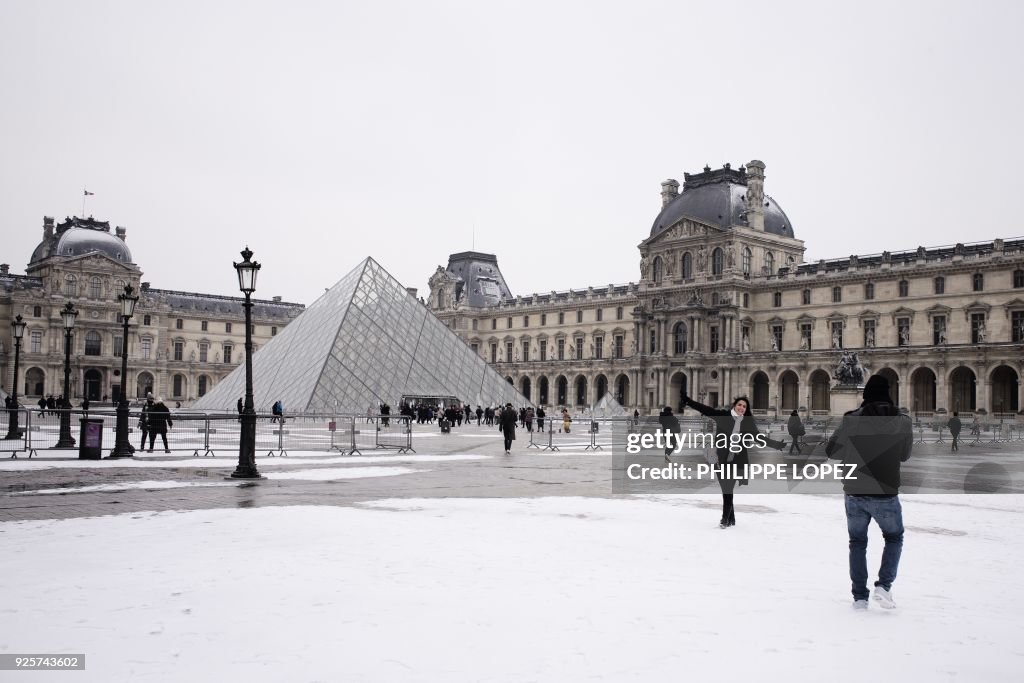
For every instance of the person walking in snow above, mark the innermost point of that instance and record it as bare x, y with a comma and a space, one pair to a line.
507, 420
875, 438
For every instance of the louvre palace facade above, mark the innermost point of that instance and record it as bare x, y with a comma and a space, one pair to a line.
725, 305
180, 343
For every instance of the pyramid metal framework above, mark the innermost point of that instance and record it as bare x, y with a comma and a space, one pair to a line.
366, 341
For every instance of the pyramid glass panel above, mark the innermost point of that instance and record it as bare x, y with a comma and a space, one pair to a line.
365, 342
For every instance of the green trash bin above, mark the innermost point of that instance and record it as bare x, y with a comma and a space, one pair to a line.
90, 439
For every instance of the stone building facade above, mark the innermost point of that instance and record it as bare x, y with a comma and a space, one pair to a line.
725, 305
180, 344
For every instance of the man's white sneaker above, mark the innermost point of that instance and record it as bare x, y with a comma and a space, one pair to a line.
884, 598
860, 604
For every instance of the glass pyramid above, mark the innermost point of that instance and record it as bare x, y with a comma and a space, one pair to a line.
366, 341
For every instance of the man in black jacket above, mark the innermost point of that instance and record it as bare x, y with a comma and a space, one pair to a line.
507, 420
159, 420
875, 438
954, 430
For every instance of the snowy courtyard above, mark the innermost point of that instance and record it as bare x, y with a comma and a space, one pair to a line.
541, 586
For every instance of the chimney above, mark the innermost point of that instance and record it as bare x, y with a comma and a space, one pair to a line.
4, 268
47, 227
669, 191
755, 194
412, 290
120, 232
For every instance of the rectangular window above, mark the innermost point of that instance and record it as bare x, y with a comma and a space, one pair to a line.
869, 333
618, 313
978, 332
95, 289
714, 338
940, 285
179, 350
543, 349
777, 299
561, 349
93, 344
561, 317
476, 348
543, 319
147, 348
805, 336
179, 324
1018, 278
118, 343
579, 348
494, 323
227, 352
227, 328
526, 352
177, 386
146, 320
746, 300
600, 314
526, 321
508, 323
837, 295
1017, 329
474, 324
508, 351
903, 330
869, 291
37, 341
806, 297
494, 353
939, 330
273, 331
579, 316
904, 288
598, 347
652, 342
204, 350
204, 325
777, 337
619, 343
979, 282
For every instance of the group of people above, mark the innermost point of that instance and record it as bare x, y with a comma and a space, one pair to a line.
875, 439
51, 404
155, 419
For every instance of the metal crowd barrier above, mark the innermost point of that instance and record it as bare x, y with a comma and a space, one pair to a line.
206, 434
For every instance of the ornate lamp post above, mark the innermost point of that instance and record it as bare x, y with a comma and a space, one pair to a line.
13, 430
122, 447
246, 469
68, 313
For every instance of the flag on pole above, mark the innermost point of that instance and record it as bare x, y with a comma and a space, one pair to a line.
87, 193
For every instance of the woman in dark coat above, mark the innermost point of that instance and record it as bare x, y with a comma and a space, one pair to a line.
507, 421
796, 429
738, 420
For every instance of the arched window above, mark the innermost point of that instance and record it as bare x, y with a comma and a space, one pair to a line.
95, 288
717, 265
70, 286
687, 266
659, 269
748, 259
679, 337
93, 343
769, 263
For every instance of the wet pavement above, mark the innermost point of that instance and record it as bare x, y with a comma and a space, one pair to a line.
203, 482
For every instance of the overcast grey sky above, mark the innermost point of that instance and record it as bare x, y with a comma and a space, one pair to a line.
320, 133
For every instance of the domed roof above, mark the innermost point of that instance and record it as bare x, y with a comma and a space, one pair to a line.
78, 236
719, 197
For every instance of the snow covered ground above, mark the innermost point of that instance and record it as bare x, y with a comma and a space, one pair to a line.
541, 589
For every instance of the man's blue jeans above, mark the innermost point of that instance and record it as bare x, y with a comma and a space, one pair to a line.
888, 513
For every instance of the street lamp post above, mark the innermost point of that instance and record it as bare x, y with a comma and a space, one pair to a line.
122, 447
247, 271
13, 430
68, 313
